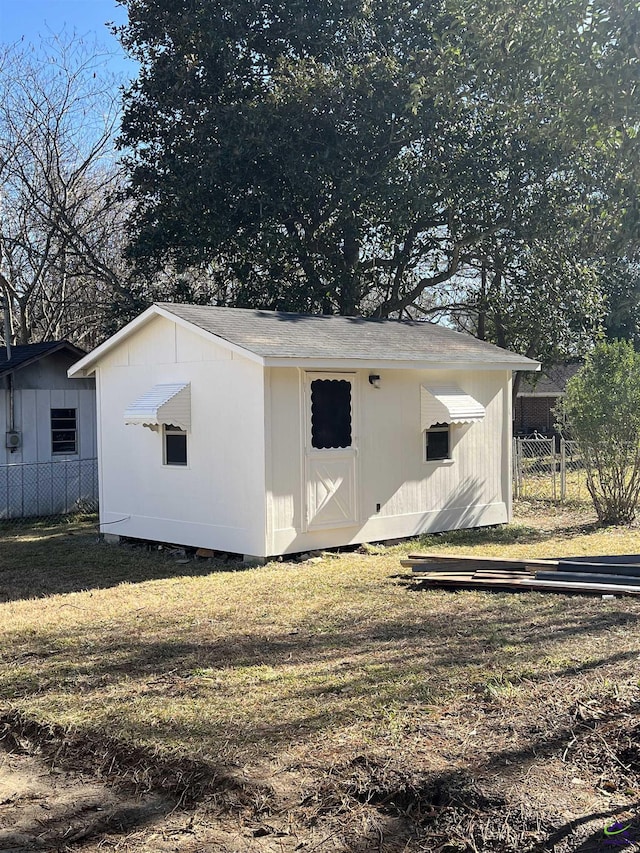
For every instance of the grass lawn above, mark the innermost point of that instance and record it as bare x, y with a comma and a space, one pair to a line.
328, 705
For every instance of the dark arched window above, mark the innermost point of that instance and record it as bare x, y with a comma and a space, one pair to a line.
330, 413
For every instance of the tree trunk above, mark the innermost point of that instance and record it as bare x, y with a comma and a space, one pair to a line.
349, 290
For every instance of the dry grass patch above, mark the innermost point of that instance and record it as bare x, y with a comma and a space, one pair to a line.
339, 701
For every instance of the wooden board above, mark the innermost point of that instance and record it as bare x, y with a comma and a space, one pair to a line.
501, 575
472, 558
489, 576
462, 567
594, 587
626, 569
438, 562
472, 572
485, 566
588, 577
530, 584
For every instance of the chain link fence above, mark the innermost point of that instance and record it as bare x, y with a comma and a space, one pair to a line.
548, 469
543, 469
51, 490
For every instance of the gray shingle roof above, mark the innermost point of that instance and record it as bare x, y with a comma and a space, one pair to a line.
552, 381
272, 334
23, 354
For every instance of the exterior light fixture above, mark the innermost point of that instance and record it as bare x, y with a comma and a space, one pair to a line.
374, 380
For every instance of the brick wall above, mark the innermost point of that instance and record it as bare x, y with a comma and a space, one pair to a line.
534, 413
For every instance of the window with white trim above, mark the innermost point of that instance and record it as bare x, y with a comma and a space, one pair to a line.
175, 445
437, 444
64, 431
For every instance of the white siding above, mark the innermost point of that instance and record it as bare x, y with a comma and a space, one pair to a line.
414, 496
217, 500
285, 445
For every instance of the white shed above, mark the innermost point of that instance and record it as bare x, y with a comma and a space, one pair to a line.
266, 433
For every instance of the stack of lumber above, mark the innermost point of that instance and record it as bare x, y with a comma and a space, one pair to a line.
619, 575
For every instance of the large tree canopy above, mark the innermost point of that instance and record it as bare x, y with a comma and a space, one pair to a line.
389, 156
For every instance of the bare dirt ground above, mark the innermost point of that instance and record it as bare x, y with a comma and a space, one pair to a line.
474, 777
488, 787
51, 809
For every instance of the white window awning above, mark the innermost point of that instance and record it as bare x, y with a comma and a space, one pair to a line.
448, 404
163, 404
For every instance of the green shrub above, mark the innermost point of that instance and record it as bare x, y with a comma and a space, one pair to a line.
601, 411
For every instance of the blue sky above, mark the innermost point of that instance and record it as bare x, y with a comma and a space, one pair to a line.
27, 20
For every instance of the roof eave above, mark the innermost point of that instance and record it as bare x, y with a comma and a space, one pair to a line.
398, 364
541, 394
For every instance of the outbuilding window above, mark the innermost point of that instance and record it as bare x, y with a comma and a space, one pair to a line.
437, 443
175, 445
64, 431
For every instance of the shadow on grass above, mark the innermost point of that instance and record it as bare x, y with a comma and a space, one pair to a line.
376, 662
252, 693
616, 832
294, 684
51, 561
506, 534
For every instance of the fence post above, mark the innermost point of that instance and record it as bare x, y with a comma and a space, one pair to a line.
563, 470
519, 467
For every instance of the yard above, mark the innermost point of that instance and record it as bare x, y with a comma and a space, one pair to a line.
325, 705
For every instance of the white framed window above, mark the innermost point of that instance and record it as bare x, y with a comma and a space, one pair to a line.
64, 431
437, 443
174, 442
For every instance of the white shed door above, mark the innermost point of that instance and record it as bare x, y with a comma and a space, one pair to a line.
330, 451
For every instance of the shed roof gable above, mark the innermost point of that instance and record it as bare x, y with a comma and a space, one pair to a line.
24, 354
